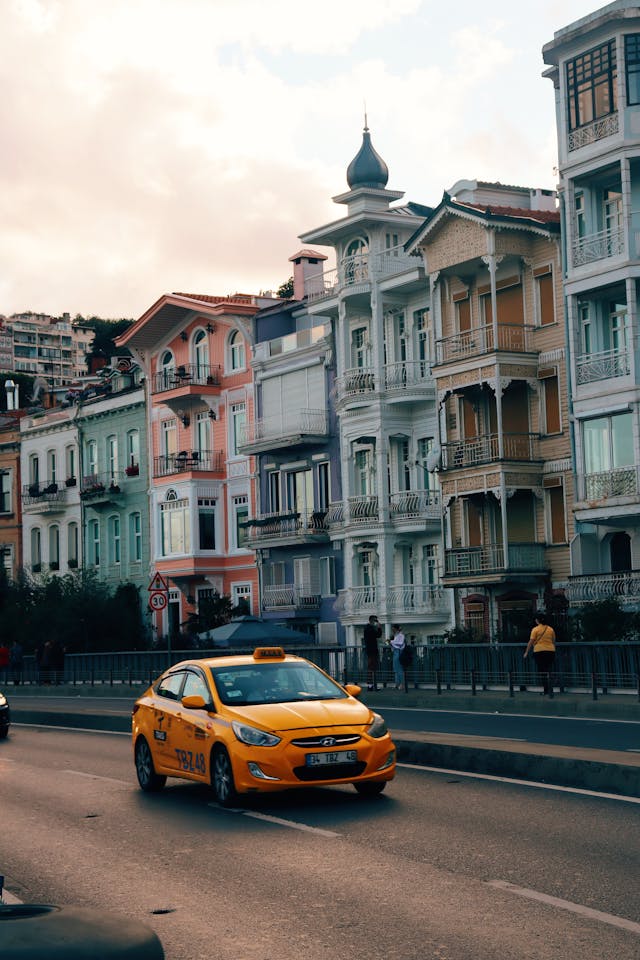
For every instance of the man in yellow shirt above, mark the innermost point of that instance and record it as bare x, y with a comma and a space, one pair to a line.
543, 641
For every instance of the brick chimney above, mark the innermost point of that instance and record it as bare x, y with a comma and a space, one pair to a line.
306, 263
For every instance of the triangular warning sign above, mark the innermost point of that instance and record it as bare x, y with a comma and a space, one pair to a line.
158, 583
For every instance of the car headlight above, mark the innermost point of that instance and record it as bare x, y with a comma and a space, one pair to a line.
3, 700
252, 736
377, 727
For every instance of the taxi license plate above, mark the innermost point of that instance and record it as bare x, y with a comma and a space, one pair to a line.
339, 756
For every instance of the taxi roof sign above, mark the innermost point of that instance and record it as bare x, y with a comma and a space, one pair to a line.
158, 583
268, 653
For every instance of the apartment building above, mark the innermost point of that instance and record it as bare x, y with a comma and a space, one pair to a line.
10, 500
294, 440
492, 254
53, 348
386, 517
195, 351
594, 65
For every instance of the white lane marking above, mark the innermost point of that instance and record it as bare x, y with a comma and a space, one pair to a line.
54, 726
578, 908
523, 783
94, 776
494, 713
294, 825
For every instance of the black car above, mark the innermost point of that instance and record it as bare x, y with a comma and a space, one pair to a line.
5, 716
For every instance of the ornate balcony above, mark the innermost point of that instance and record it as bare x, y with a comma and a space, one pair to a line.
187, 376
592, 588
488, 562
100, 489
358, 383
293, 428
458, 454
605, 127
290, 596
591, 367
512, 338
363, 510
358, 601
408, 376
419, 505
620, 482
406, 600
188, 462
43, 498
279, 529
598, 246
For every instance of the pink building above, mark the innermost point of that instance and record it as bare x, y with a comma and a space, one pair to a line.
196, 352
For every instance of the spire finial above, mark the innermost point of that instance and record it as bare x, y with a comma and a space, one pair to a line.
366, 125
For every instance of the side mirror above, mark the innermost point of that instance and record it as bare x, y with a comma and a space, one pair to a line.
353, 689
194, 702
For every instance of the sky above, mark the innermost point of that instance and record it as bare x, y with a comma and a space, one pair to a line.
152, 146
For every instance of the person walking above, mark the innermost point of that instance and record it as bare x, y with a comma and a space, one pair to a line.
397, 644
372, 633
543, 642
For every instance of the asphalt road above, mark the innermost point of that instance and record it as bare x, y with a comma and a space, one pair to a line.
440, 866
114, 713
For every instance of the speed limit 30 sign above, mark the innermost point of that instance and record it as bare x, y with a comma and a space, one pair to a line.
157, 600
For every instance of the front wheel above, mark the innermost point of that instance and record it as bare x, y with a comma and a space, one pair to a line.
149, 780
222, 779
368, 788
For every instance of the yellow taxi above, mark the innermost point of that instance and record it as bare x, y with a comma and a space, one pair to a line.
258, 723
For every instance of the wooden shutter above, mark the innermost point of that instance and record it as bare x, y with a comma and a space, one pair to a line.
556, 514
546, 299
551, 404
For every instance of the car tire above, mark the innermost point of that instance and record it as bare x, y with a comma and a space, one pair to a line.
149, 780
222, 780
34, 931
368, 788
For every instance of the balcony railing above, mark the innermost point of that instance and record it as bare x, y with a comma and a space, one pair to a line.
355, 269
363, 509
275, 526
360, 269
403, 599
290, 596
335, 513
602, 366
357, 600
394, 260
43, 497
356, 382
619, 482
512, 338
294, 341
406, 374
490, 558
458, 454
291, 423
195, 461
186, 375
598, 246
592, 588
99, 487
597, 130
321, 285
415, 505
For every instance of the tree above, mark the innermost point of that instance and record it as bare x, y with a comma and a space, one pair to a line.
25, 388
106, 331
285, 290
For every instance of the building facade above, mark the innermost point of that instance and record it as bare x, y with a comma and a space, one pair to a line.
386, 519
10, 499
504, 455
294, 440
195, 351
594, 64
52, 348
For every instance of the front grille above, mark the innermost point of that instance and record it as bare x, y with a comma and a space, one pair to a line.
338, 741
330, 771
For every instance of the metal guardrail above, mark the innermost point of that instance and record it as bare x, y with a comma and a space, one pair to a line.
603, 667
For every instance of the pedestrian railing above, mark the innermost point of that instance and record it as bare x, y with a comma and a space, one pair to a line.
580, 667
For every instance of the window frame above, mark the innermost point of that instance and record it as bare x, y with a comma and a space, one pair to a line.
598, 62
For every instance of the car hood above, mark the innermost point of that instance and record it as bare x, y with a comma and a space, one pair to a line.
314, 713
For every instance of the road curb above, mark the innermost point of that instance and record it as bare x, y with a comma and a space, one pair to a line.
597, 775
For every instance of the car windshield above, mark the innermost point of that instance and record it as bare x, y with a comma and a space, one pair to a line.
274, 683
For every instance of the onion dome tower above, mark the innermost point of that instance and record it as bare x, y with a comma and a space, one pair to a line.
367, 169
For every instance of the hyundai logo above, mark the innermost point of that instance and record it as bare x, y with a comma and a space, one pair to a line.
328, 741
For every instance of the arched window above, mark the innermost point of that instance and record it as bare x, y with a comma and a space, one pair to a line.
114, 539
94, 542
201, 354
236, 351
135, 537
133, 448
356, 261
72, 545
167, 368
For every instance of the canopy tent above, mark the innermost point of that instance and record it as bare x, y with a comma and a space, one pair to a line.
251, 632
